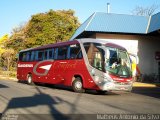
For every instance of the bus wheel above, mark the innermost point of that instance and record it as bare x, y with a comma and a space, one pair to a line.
101, 92
77, 85
129, 90
29, 79
19, 81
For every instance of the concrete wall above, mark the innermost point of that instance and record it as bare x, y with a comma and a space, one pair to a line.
147, 46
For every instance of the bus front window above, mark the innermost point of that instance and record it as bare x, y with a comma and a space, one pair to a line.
95, 54
118, 62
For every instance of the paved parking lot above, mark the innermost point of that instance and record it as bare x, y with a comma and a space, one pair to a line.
20, 98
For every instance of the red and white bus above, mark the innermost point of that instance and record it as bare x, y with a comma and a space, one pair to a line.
82, 63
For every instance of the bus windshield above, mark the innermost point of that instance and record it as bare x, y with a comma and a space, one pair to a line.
108, 59
117, 62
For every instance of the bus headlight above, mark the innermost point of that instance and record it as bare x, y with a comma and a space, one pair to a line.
96, 79
107, 79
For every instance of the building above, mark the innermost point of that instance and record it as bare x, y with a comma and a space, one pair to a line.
138, 34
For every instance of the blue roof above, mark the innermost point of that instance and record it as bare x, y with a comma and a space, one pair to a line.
82, 28
154, 23
119, 23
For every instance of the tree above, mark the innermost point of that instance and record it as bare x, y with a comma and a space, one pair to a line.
1, 52
17, 40
41, 29
3, 39
8, 58
51, 27
44, 28
145, 11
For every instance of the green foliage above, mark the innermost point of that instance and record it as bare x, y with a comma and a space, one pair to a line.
41, 29
17, 41
3, 38
44, 28
8, 58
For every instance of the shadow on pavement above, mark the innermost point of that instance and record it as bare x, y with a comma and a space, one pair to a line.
36, 100
40, 98
3, 86
69, 88
148, 91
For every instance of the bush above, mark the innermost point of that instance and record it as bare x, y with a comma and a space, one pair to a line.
12, 74
8, 73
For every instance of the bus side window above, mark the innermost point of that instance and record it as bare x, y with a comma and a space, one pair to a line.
33, 55
28, 56
80, 56
75, 52
24, 57
51, 53
20, 56
48, 54
62, 53
45, 54
39, 55
55, 53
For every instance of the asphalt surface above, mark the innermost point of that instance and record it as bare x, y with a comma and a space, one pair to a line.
39, 101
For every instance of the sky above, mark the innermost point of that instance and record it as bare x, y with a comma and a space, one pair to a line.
16, 12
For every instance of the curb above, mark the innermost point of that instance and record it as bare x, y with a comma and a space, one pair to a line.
138, 84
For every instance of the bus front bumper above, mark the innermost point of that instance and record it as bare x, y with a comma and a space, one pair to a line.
117, 86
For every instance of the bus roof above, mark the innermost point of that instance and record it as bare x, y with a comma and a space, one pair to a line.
51, 45
104, 42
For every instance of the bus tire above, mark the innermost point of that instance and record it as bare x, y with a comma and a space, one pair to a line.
19, 81
101, 92
29, 79
77, 85
130, 90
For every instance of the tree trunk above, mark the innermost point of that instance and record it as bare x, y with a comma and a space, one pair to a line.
8, 64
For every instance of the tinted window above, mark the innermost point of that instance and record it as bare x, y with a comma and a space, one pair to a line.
24, 56
51, 54
36, 55
75, 52
33, 53
62, 53
80, 56
28, 56
39, 55
20, 56
45, 54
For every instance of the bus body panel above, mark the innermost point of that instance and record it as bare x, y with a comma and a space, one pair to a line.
61, 72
